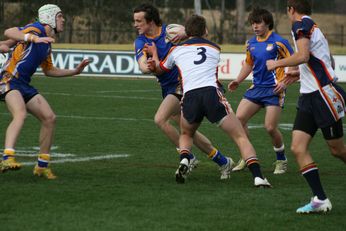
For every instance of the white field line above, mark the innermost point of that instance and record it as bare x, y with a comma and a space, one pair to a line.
81, 159
34, 154
126, 91
103, 96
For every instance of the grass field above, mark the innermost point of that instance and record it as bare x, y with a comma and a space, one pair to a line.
116, 169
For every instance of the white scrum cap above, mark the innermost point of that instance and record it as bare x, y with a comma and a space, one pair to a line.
47, 14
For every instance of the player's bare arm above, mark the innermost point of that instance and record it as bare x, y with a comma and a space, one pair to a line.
15, 34
299, 57
57, 72
244, 72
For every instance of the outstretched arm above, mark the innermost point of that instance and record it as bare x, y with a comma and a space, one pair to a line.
15, 34
57, 72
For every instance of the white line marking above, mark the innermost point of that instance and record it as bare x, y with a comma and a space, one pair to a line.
35, 154
102, 96
126, 91
81, 159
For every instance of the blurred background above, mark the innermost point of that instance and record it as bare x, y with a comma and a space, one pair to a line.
110, 21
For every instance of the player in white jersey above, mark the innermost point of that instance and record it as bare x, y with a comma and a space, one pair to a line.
197, 60
320, 104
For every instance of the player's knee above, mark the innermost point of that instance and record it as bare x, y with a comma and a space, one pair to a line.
159, 121
296, 149
270, 128
50, 119
338, 151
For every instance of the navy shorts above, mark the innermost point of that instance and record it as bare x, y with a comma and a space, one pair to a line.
313, 113
205, 102
174, 89
27, 91
265, 96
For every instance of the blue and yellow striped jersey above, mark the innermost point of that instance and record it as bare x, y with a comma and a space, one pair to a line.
167, 78
259, 51
27, 57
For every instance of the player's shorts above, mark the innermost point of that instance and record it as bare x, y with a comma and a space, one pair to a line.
27, 91
172, 89
205, 102
313, 113
265, 96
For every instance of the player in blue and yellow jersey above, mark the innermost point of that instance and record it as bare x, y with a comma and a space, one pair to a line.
267, 89
32, 50
197, 60
320, 104
151, 30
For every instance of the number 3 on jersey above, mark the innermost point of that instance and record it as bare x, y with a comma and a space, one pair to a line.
202, 54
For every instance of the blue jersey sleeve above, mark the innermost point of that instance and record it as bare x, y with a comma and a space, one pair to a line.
139, 44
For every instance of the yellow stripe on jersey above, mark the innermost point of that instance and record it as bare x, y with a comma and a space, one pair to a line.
17, 55
47, 64
31, 29
283, 51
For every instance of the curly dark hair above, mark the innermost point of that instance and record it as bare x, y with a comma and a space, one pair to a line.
257, 15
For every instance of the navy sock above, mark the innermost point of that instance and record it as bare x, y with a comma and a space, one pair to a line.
311, 175
253, 165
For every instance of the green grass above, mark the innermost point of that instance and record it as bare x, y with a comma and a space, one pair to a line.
102, 116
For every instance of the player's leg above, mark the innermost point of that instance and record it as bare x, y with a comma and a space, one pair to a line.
169, 108
16, 106
232, 126
271, 122
303, 131
39, 107
187, 132
245, 111
334, 137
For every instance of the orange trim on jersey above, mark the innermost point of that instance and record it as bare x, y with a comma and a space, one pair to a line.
17, 55
332, 109
170, 51
154, 36
248, 58
31, 29
284, 52
201, 44
264, 39
163, 67
325, 70
47, 64
223, 100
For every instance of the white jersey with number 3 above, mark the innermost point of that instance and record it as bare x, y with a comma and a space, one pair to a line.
197, 61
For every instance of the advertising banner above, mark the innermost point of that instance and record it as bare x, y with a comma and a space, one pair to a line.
124, 64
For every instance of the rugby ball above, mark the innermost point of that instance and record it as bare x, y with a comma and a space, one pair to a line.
172, 30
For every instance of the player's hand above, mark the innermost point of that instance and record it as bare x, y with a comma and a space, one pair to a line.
44, 40
291, 75
4, 48
151, 65
232, 86
82, 65
150, 50
280, 87
271, 65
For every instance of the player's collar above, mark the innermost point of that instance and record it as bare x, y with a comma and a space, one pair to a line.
155, 35
264, 39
